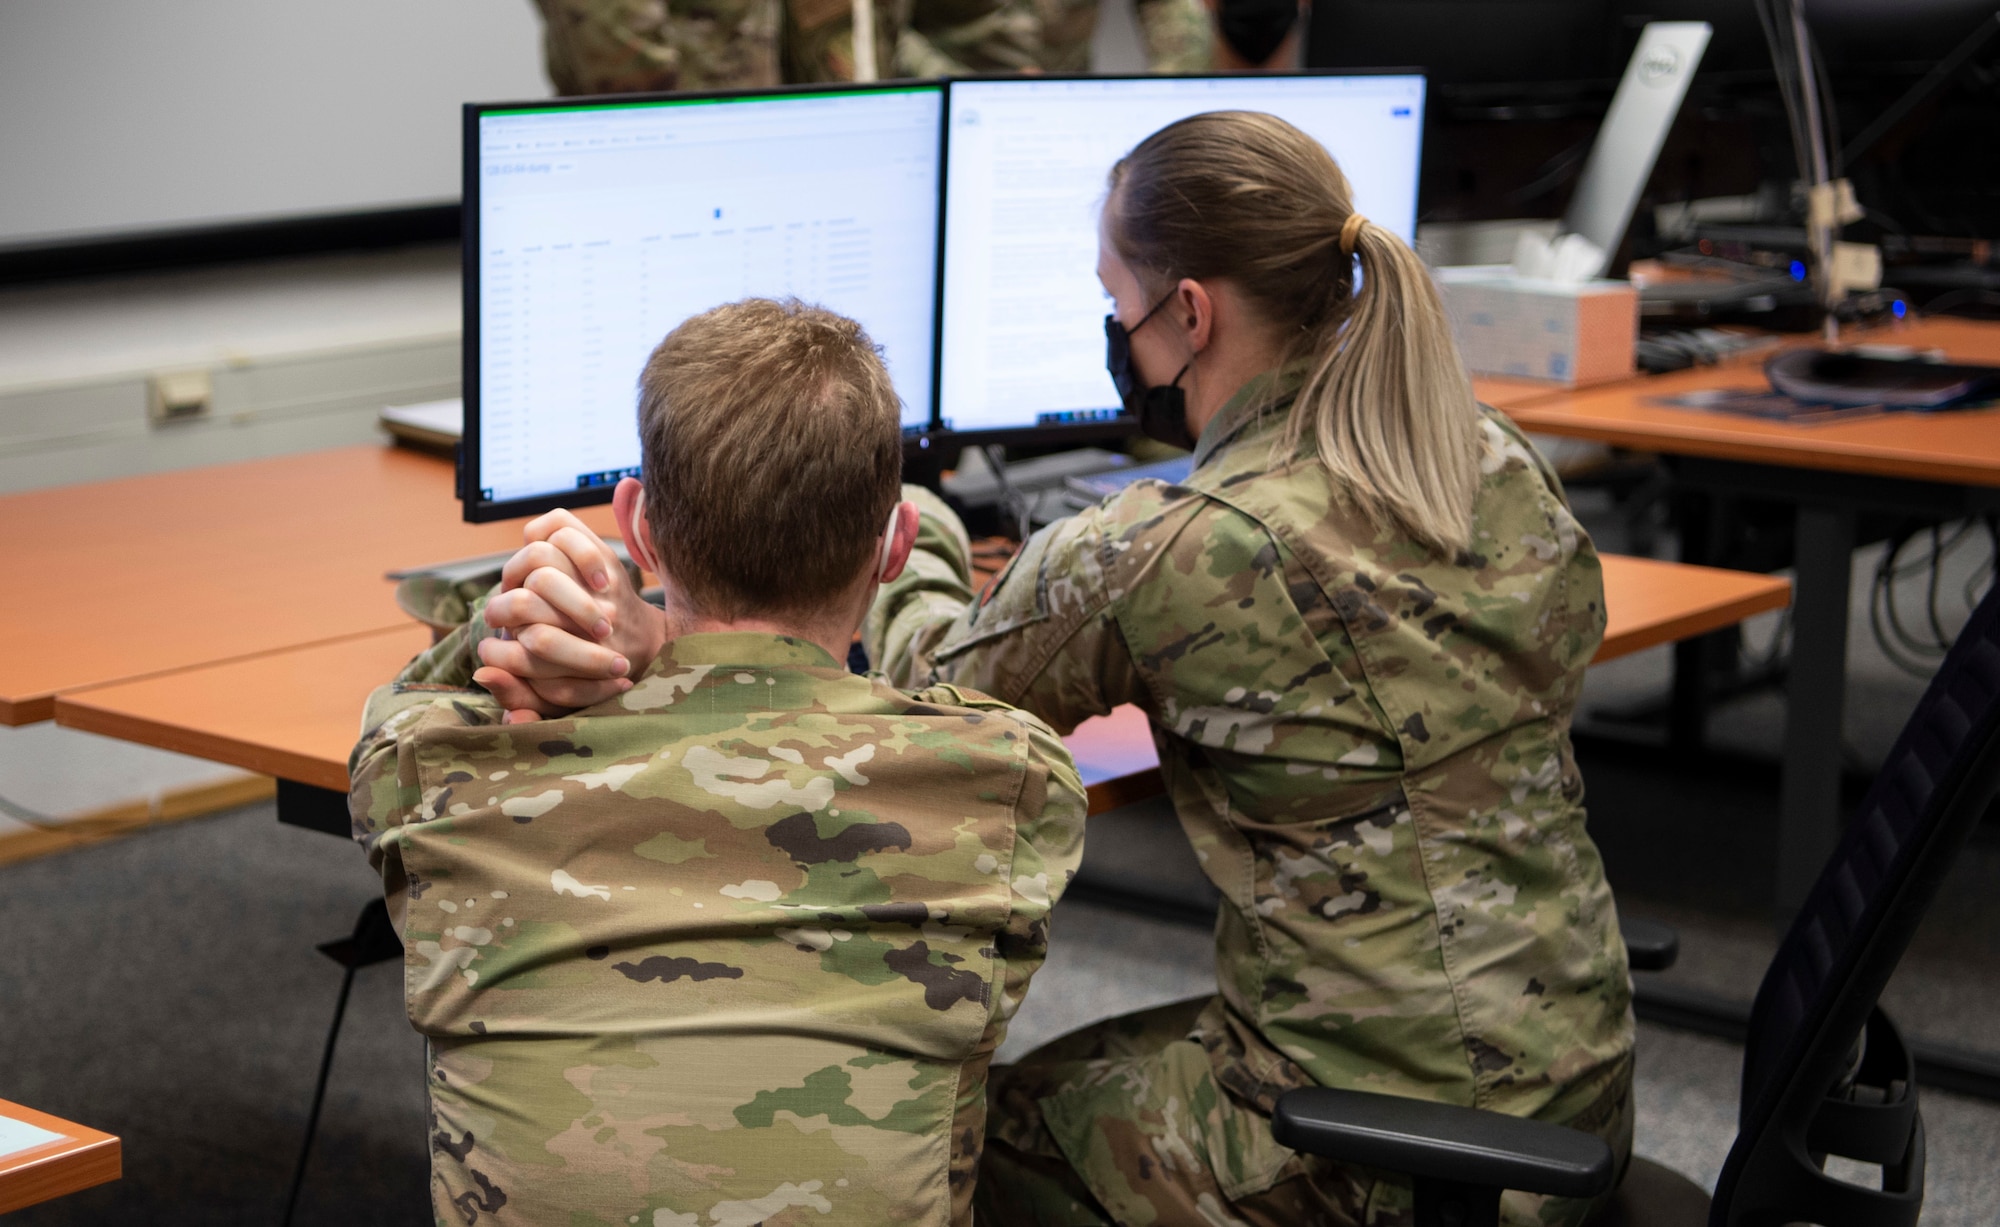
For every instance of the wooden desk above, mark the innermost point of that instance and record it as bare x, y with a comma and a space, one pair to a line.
1961, 447
124, 579
1943, 465
77, 1159
1506, 394
296, 714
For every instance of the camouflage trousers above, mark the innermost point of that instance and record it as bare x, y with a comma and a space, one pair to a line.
1123, 1123
635, 46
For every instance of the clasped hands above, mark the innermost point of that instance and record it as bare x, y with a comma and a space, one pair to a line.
573, 629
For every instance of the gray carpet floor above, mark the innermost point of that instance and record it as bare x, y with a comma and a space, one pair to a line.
164, 988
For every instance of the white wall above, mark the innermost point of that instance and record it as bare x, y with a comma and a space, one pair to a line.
123, 116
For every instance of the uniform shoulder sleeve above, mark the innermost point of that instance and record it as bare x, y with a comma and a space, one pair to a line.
1574, 638
435, 687
1511, 441
1048, 847
1050, 814
1045, 635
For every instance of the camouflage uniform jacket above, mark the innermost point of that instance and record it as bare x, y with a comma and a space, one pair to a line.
735, 947
1368, 746
633, 46
957, 37
628, 46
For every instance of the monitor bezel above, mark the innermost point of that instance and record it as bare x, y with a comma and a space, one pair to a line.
1125, 425
477, 510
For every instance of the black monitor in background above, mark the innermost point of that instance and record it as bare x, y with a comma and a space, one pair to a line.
1468, 42
1518, 88
593, 227
1916, 87
1507, 53
1021, 335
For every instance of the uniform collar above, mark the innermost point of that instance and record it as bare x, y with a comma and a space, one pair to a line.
756, 648
1262, 398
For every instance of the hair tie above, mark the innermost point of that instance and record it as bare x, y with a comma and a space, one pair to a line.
1349, 230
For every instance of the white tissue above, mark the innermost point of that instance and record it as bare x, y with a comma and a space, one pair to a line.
1567, 259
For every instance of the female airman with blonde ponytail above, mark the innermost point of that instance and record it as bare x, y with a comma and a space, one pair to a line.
1358, 628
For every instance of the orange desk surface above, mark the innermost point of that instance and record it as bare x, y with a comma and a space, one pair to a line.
1960, 447
81, 1158
1505, 394
296, 714
123, 579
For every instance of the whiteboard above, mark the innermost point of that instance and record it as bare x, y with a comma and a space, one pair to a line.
120, 117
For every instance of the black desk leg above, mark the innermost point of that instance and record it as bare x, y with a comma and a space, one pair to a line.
1687, 704
315, 808
1809, 813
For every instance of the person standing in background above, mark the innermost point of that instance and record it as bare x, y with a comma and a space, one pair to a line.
643, 46
956, 37
647, 46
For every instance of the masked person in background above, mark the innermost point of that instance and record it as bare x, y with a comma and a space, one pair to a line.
1359, 629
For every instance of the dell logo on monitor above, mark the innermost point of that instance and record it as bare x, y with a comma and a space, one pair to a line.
1661, 65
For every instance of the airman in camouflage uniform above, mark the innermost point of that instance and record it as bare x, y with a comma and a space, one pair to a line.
1369, 747
956, 37
647, 46
733, 947
633, 46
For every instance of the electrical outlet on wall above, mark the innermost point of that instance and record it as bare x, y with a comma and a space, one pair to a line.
179, 396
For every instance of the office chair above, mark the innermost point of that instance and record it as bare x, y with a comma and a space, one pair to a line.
373, 941
1824, 1070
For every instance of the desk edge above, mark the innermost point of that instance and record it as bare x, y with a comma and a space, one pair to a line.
1764, 599
1753, 449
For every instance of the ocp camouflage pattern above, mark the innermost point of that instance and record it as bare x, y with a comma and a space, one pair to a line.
956, 37
1369, 748
635, 46
639, 46
735, 947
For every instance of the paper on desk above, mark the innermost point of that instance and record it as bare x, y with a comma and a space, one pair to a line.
18, 1135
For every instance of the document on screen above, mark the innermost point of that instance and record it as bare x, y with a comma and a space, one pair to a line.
1022, 337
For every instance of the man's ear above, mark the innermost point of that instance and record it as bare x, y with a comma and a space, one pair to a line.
628, 508
902, 539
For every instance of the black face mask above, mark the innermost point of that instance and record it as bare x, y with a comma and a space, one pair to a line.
1254, 28
1162, 412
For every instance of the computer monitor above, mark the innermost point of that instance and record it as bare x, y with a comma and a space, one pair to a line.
593, 227
1459, 42
1021, 338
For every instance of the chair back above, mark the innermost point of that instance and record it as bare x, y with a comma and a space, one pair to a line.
1824, 1070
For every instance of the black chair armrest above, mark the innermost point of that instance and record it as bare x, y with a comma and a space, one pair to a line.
1649, 945
1438, 1141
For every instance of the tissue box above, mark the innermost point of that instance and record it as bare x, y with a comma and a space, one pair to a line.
1571, 334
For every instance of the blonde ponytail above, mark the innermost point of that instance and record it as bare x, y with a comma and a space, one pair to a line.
1389, 403
1248, 197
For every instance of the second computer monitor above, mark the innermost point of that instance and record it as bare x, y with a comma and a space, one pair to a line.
1022, 336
